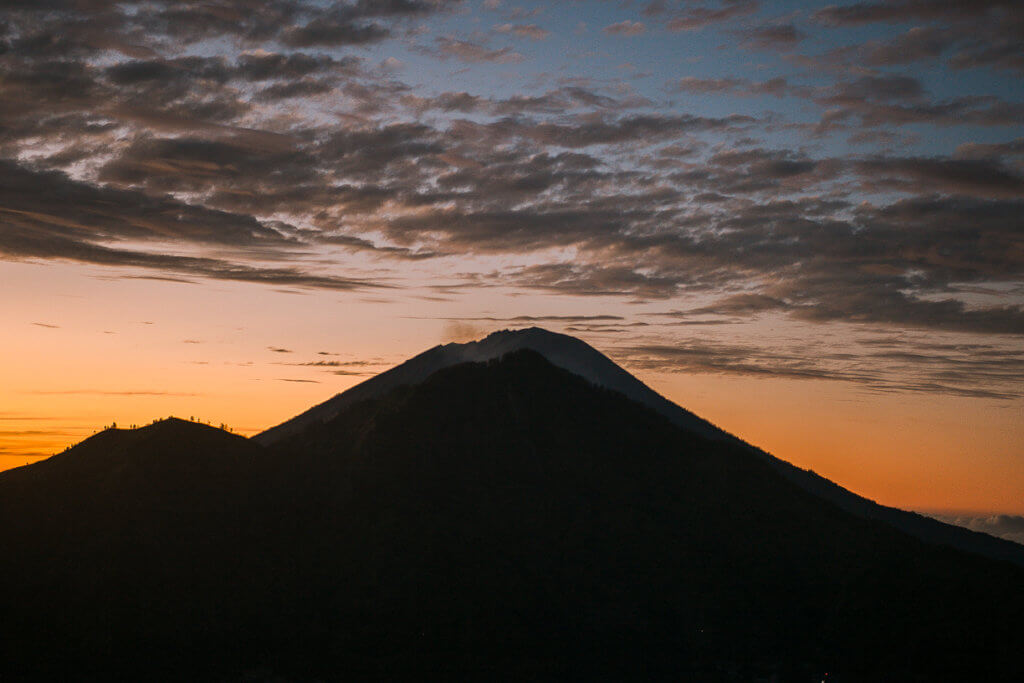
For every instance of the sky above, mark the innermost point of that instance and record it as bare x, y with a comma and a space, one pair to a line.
801, 221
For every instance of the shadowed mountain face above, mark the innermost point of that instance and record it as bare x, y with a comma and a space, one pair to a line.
583, 360
561, 350
505, 519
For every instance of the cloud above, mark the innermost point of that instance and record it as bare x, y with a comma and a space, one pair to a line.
916, 44
531, 31
740, 86
40, 203
641, 128
875, 269
740, 304
700, 16
596, 280
881, 88
461, 331
280, 159
703, 86
50, 216
772, 37
332, 32
992, 150
901, 100
974, 177
860, 13
299, 22
626, 29
1009, 527
472, 52
981, 34
726, 359
334, 364
22, 243
965, 372
193, 164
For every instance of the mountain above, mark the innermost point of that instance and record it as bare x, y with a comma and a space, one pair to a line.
500, 520
580, 358
564, 351
121, 535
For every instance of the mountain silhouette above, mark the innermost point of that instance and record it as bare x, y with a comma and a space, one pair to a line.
582, 359
502, 518
561, 350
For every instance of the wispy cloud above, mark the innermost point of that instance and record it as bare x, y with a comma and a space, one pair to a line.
531, 31
1009, 527
880, 364
626, 28
473, 52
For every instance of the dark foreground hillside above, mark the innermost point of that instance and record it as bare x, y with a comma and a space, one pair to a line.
502, 520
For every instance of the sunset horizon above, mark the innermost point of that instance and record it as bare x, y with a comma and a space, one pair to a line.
801, 223
735, 404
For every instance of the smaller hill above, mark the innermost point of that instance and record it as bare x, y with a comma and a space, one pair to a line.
128, 524
159, 453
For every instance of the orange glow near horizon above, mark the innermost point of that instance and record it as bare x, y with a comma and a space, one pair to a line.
801, 223
84, 351
933, 453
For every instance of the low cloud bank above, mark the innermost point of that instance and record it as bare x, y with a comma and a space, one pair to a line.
1009, 527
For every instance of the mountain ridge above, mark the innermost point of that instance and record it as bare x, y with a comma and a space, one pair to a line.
585, 361
500, 520
561, 350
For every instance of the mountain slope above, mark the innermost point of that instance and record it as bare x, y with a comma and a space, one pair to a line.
114, 548
499, 520
561, 350
582, 359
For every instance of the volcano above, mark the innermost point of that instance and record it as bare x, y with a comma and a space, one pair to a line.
518, 507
